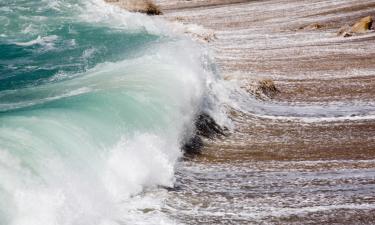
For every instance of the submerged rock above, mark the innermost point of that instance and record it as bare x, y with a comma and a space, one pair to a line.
268, 87
314, 26
143, 6
263, 89
147, 210
344, 31
199, 33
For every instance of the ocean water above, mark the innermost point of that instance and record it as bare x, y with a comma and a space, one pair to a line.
95, 103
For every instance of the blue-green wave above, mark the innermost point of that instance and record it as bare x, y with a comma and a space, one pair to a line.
93, 109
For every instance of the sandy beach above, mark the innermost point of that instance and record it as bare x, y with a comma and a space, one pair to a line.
311, 67
304, 152
176, 112
307, 156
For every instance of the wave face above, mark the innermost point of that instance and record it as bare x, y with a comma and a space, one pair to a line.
94, 105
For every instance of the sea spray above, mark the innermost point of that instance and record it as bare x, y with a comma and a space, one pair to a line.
94, 106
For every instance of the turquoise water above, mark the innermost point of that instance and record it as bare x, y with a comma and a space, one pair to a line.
94, 105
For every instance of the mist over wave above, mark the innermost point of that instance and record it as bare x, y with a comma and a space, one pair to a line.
94, 105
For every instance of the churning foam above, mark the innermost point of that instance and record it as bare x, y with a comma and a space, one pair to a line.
83, 147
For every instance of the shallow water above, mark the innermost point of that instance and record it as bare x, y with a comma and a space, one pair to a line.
305, 156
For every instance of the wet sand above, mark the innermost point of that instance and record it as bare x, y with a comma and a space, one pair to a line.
308, 155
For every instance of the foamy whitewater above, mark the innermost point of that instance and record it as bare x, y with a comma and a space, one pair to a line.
95, 103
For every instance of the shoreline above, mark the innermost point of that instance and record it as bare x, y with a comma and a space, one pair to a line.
271, 165
312, 67
317, 168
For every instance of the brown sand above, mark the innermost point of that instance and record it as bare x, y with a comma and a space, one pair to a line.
284, 168
263, 39
274, 169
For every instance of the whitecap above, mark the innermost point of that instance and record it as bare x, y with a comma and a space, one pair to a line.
45, 41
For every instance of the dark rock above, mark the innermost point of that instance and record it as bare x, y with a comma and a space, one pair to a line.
142, 6
175, 188
193, 146
207, 127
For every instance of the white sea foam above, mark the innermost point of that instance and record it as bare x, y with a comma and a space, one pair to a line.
317, 119
47, 41
118, 18
94, 147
